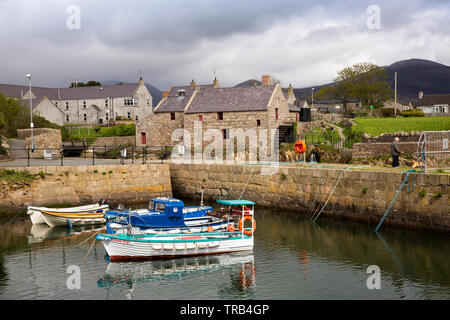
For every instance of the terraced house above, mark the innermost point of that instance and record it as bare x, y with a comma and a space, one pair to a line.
249, 107
85, 105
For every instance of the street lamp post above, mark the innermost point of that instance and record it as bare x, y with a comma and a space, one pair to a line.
31, 114
312, 97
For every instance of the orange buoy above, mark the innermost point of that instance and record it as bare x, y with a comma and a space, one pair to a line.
230, 228
241, 225
300, 146
210, 229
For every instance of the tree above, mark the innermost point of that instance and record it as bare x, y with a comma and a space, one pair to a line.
90, 83
363, 81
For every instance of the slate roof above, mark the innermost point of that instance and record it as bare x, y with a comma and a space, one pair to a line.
13, 91
95, 92
432, 99
294, 108
234, 99
173, 103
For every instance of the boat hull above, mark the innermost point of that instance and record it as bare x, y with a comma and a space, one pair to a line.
125, 248
37, 216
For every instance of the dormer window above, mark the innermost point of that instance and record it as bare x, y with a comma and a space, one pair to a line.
181, 93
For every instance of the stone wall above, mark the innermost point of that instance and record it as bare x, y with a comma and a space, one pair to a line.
360, 195
381, 145
369, 150
158, 129
43, 138
80, 185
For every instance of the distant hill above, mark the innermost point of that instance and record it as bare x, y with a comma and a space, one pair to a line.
413, 75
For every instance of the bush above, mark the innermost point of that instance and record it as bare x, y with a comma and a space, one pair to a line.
387, 112
412, 113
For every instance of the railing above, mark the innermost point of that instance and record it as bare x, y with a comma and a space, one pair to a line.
336, 142
90, 155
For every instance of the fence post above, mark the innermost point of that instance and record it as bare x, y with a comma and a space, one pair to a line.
62, 156
132, 155
28, 157
93, 156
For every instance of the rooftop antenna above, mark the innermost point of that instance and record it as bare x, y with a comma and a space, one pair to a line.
141, 73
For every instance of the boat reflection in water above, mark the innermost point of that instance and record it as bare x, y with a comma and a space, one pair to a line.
241, 264
43, 232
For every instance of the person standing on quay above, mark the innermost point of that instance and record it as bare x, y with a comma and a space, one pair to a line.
395, 151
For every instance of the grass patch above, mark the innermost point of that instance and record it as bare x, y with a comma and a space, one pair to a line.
377, 126
13, 176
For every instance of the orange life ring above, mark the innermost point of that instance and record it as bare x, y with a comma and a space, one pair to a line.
210, 229
300, 146
241, 225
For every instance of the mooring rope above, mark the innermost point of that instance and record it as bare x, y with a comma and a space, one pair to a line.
332, 191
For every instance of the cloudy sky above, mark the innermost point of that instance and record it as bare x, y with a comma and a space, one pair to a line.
300, 42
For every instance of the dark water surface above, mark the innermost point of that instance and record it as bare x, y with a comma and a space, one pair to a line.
292, 259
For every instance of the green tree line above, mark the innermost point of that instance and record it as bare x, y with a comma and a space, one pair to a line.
14, 114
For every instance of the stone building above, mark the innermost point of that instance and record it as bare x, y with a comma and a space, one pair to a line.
85, 105
212, 107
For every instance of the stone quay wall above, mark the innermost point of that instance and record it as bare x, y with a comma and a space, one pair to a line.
80, 185
360, 195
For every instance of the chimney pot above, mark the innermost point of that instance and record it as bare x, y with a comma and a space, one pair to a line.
420, 94
193, 84
265, 79
216, 83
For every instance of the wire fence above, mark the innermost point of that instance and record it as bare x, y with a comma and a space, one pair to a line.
336, 142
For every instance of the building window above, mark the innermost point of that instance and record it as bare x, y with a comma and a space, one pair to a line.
220, 116
200, 118
56, 103
130, 102
172, 116
106, 103
84, 104
143, 138
67, 118
84, 117
107, 116
67, 105
148, 102
129, 115
258, 123
137, 118
225, 133
276, 113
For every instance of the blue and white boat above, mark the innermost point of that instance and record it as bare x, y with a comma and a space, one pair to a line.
165, 215
172, 245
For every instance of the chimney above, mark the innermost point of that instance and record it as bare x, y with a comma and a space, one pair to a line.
420, 94
265, 79
165, 94
216, 83
290, 90
141, 81
193, 84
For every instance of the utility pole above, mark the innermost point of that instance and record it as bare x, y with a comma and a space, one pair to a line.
395, 94
312, 97
31, 114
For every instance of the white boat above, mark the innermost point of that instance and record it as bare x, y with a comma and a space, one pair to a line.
134, 247
172, 245
59, 216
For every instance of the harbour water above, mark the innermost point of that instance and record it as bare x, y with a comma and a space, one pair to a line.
292, 259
